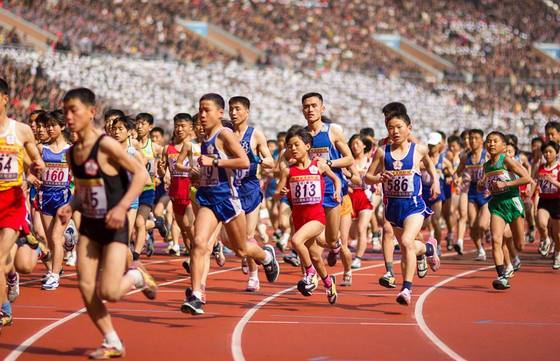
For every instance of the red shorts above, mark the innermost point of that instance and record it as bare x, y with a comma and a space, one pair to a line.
360, 202
13, 212
179, 192
305, 214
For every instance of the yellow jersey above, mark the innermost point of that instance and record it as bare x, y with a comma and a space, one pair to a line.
11, 157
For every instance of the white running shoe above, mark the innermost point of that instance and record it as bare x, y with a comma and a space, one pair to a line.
13, 289
253, 285
556, 264
71, 261
544, 247
377, 245
356, 263
52, 282
509, 271
480, 255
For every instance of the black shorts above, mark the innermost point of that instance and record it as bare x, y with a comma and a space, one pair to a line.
96, 230
551, 205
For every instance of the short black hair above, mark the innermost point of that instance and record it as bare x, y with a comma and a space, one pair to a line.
453, 139
36, 113
215, 98
479, 132
536, 140
500, 135
552, 125
552, 144
4, 87
241, 100
311, 95
364, 139
55, 116
395, 110
302, 133
182, 117
367, 132
512, 139
145, 117
127, 121
84, 95
112, 113
281, 134
157, 130
272, 141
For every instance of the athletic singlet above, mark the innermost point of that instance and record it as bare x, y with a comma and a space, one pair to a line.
322, 147
248, 177
362, 169
427, 178
148, 153
56, 175
216, 183
306, 186
98, 191
11, 157
498, 172
476, 171
406, 181
172, 156
548, 190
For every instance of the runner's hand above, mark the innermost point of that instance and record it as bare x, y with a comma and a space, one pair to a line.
64, 213
115, 217
386, 176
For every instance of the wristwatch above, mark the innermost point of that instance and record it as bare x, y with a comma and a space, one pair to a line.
329, 163
215, 162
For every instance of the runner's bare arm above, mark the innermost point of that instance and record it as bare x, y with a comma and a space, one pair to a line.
280, 186
515, 167
25, 133
326, 170
430, 168
238, 157
262, 149
341, 145
375, 171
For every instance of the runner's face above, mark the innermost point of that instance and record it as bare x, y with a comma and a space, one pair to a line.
53, 130
238, 113
272, 147
536, 147
510, 151
42, 135
553, 134
156, 138
142, 128
475, 141
298, 148
494, 144
454, 147
312, 109
209, 115
77, 114
550, 155
398, 130
357, 147
281, 142
120, 133
182, 130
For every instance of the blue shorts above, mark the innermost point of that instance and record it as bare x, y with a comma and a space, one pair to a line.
270, 189
135, 204
399, 209
147, 198
478, 199
50, 202
285, 200
446, 190
329, 201
250, 201
160, 192
224, 211
426, 196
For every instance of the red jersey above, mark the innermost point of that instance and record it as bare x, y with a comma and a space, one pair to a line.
306, 191
179, 187
548, 190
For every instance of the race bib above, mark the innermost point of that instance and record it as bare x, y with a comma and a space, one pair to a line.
151, 167
401, 185
322, 152
172, 159
476, 172
56, 175
93, 196
9, 169
305, 190
209, 176
240, 174
546, 187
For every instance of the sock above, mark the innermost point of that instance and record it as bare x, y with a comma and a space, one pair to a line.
419, 258
376, 234
389, 267
197, 294
516, 259
267, 258
310, 270
277, 233
327, 282
294, 253
136, 277
112, 340
7, 308
407, 285
429, 250
501, 270
254, 275
135, 256
12, 277
360, 258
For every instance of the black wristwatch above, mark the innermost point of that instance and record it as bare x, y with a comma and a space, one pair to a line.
215, 162
329, 163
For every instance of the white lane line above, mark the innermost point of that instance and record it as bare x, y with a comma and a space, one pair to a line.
419, 308
336, 323
18, 351
37, 318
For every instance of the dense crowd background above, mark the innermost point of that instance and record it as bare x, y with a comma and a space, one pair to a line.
498, 77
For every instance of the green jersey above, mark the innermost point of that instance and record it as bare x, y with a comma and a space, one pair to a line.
499, 172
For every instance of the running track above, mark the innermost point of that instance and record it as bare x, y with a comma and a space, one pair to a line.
455, 315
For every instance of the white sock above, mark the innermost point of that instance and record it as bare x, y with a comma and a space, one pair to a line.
112, 340
254, 275
267, 258
516, 259
136, 278
197, 294
284, 238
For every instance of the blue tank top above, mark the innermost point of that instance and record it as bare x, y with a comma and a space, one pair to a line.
324, 148
427, 179
475, 170
406, 181
246, 179
56, 176
216, 184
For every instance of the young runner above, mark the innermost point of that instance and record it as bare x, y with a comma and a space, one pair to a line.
405, 209
103, 195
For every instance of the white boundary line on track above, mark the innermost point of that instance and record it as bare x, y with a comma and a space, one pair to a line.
419, 308
236, 338
19, 350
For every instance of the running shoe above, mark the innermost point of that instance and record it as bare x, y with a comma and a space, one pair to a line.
346, 280
193, 305
458, 247
516, 263
388, 280
187, 265
149, 286
244, 266
433, 260
161, 227
292, 259
376, 245
356, 263
106, 352
404, 297
439, 250
70, 237
218, 253
488, 236
272, 270
308, 284
333, 253
480, 255
331, 291
150, 249
188, 293
13, 287
46, 277
556, 264
71, 261
281, 244
529, 237
501, 283
421, 266
253, 285
544, 247
510, 271
7, 319
449, 241
175, 250
52, 282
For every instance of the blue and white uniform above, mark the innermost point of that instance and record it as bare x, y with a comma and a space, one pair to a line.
403, 193
324, 148
246, 180
130, 149
55, 190
476, 172
217, 190
427, 183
